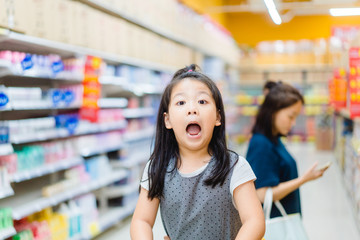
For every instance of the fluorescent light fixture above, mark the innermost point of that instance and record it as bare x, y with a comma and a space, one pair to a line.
270, 5
336, 12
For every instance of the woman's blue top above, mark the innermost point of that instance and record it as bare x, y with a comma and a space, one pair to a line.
272, 165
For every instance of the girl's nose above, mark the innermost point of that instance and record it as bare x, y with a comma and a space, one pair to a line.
192, 111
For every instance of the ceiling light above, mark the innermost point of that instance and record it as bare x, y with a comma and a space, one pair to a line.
336, 12
270, 5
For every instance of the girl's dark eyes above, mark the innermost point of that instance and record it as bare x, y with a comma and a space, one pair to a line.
179, 103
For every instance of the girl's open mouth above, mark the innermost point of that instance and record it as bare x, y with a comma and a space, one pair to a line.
193, 129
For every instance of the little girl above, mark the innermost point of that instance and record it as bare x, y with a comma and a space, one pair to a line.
204, 190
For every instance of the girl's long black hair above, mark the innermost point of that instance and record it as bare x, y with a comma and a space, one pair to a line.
280, 96
166, 146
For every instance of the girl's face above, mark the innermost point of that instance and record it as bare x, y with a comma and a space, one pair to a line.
192, 114
285, 118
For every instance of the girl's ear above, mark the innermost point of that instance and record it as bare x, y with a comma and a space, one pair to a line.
218, 119
167, 121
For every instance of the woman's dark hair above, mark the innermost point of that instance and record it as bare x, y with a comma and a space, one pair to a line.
166, 146
280, 96
269, 85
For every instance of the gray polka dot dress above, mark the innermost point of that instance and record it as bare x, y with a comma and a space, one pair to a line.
191, 210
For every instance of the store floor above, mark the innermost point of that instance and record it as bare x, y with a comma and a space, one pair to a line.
327, 208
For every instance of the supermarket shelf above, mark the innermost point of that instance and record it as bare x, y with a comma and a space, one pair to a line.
38, 106
87, 152
139, 135
114, 215
132, 161
6, 149
6, 70
36, 202
112, 102
281, 68
45, 105
6, 192
7, 233
138, 112
161, 32
111, 217
46, 169
136, 88
64, 133
20, 42
117, 191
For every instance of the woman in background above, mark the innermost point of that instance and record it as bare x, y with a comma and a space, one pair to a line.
272, 164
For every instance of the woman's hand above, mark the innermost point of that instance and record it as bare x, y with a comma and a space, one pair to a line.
167, 238
313, 173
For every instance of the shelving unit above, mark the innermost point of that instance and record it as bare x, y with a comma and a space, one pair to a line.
137, 101
16, 41
130, 162
162, 32
114, 215
46, 169
348, 156
64, 133
6, 192
6, 149
35, 202
24, 205
7, 233
306, 77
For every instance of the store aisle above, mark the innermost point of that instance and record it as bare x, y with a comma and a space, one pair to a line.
326, 207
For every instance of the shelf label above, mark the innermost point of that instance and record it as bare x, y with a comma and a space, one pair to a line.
27, 63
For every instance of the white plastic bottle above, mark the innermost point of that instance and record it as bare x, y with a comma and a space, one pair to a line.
75, 210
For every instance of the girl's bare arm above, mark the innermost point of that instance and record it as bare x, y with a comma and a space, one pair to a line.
250, 211
144, 217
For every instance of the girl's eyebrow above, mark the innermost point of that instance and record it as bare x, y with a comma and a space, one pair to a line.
178, 94
204, 92
182, 93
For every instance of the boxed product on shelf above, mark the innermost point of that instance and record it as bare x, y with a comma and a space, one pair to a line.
40, 229
20, 97
4, 180
89, 212
29, 157
65, 96
58, 223
6, 220
30, 126
26, 64
79, 29
23, 235
97, 167
73, 177
74, 219
9, 162
4, 98
3, 13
